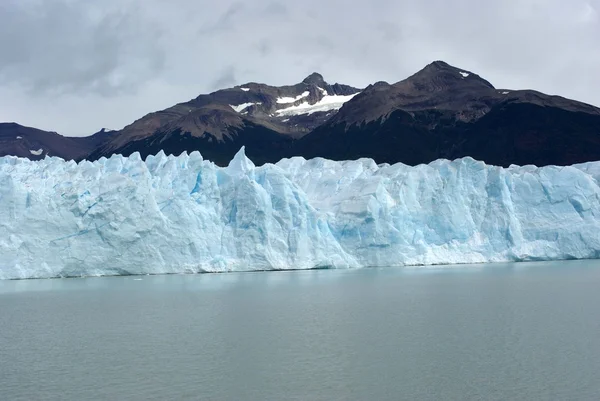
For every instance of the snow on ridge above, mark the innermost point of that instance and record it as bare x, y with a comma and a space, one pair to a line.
240, 107
464, 74
327, 103
19, 137
36, 152
283, 100
505, 92
184, 214
324, 92
245, 89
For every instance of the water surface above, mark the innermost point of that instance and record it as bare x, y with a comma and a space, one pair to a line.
527, 331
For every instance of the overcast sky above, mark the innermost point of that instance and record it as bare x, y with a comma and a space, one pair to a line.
75, 66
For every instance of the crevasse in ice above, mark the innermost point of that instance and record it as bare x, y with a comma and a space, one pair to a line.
183, 214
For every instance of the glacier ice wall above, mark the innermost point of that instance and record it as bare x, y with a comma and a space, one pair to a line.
170, 214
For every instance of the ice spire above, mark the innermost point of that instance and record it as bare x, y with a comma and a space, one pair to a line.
240, 164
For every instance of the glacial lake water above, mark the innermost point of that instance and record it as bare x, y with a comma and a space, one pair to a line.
528, 331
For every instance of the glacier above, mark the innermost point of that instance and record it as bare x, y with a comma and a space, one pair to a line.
184, 214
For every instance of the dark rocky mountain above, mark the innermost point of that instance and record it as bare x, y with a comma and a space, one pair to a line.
265, 119
439, 112
35, 144
446, 112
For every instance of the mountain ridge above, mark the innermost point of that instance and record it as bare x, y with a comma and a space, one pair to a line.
220, 115
35, 144
440, 111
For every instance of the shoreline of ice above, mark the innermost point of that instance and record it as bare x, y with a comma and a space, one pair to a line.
408, 268
183, 214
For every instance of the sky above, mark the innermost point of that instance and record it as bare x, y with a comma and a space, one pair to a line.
76, 66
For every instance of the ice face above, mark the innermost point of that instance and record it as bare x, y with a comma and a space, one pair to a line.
182, 214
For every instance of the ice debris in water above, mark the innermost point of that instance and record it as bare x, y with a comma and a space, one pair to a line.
169, 214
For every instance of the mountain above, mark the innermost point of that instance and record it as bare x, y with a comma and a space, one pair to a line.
265, 119
35, 144
446, 112
439, 112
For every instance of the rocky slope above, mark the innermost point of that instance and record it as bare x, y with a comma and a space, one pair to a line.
265, 119
446, 112
439, 112
35, 144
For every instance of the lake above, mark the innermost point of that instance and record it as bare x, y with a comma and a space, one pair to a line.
527, 331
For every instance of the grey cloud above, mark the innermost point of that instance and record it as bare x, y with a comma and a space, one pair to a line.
225, 21
225, 79
277, 9
61, 46
389, 31
149, 54
264, 47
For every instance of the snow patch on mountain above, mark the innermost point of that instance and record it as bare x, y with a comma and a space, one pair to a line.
327, 103
240, 107
284, 100
36, 152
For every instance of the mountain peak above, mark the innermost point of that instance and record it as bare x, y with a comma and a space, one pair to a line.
314, 78
439, 64
440, 75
